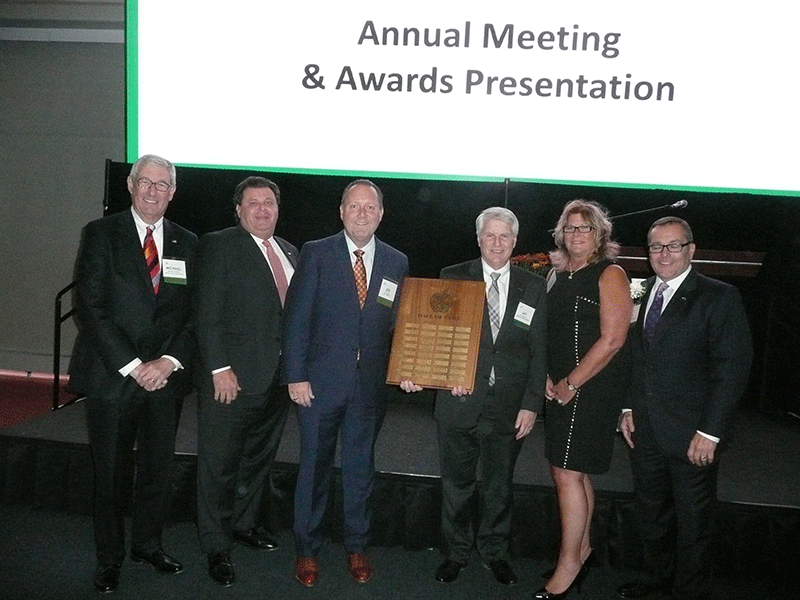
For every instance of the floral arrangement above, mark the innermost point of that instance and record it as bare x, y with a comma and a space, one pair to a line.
538, 263
637, 290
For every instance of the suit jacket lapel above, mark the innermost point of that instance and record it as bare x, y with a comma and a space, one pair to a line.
131, 248
287, 250
255, 256
673, 312
344, 265
253, 253
376, 276
475, 272
515, 292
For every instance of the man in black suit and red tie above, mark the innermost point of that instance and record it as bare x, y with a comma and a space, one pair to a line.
130, 359
242, 275
691, 353
487, 426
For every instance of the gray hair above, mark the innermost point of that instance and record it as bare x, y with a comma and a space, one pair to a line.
152, 159
499, 213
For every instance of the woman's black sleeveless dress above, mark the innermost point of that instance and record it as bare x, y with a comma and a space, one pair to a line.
579, 436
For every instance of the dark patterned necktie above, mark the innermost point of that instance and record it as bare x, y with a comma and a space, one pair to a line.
360, 273
654, 314
151, 258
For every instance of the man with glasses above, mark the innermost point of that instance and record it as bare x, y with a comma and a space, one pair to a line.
691, 353
130, 360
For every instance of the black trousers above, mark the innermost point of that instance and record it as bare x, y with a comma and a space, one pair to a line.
236, 447
115, 426
477, 514
675, 502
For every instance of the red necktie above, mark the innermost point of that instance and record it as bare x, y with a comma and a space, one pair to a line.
360, 273
277, 271
151, 258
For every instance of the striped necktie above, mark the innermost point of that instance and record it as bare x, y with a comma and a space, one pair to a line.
493, 302
151, 258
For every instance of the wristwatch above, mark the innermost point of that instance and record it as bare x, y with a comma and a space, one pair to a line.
570, 387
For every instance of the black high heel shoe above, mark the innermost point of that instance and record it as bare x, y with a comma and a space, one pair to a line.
545, 594
588, 563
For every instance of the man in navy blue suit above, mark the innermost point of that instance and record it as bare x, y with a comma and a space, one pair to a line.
691, 353
338, 320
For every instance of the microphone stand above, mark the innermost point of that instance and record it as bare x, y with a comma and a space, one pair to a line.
678, 204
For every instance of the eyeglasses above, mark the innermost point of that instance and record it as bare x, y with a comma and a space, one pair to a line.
579, 228
674, 247
144, 184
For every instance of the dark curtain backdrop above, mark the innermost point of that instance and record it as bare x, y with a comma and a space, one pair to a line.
433, 222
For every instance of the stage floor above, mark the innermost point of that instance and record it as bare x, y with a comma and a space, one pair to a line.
760, 466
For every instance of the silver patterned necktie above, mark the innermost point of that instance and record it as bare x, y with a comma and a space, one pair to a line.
493, 300
493, 304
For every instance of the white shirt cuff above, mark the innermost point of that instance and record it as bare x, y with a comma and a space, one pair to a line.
126, 370
710, 437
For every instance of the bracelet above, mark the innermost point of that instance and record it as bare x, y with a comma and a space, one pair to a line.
570, 387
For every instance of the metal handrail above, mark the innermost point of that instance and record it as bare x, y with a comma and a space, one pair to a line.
59, 319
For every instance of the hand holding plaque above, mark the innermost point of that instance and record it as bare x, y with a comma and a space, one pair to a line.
438, 333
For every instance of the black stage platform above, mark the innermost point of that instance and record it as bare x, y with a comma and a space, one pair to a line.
45, 462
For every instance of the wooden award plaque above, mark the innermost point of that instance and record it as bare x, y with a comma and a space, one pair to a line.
438, 332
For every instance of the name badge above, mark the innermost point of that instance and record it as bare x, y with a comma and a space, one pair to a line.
524, 316
173, 270
387, 292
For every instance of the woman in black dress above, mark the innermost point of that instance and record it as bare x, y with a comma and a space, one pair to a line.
589, 312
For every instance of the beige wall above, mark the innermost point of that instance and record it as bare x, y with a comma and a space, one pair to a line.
61, 115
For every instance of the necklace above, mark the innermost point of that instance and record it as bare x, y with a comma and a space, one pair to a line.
573, 271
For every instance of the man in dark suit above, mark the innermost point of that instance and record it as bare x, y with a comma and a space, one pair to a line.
691, 354
130, 359
339, 317
242, 274
488, 425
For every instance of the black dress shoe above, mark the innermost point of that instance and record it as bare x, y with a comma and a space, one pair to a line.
220, 568
502, 572
640, 589
448, 571
255, 539
106, 578
159, 560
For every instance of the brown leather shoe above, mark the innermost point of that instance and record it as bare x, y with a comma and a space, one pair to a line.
359, 567
306, 570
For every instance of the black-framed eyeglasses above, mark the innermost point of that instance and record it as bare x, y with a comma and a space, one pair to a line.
144, 184
674, 247
578, 228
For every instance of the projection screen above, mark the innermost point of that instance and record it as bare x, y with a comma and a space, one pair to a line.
684, 95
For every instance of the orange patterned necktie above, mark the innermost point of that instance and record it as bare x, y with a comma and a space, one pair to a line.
361, 277
151, 257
